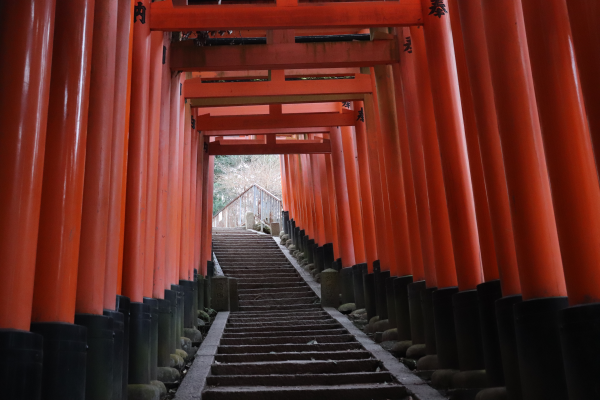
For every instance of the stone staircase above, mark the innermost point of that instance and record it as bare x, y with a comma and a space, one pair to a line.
282, 344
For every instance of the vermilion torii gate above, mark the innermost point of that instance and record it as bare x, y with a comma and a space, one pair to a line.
443, 150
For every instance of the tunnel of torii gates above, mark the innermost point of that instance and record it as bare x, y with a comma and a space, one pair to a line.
448, 142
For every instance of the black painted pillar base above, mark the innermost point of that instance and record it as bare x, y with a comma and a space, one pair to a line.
64, 361
390, 301
347, 285
178, 314
153, 304
369, 286
417, 319
119, 335
139, 343
380, 299
171, 297
21, 366
403, 323
428, 319
328, 256
445, 334
286, 220
189, 292
358, 286
310, 251
488, 293
319, 258
200, 293
538, 344
164, 333
505, 318
468, 330
580, 338
123, 306
301, 240
100, 354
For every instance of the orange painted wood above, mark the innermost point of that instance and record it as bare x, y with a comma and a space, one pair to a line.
218, 149
416, 256
584, 16
199, 203
279, 131
392, 162
114, 245
442, 238
162, 186
154, 94
171, 271
453, 150
476, 53
62, 187
389, 263
567, 145
193, 180
195, 89
186, 56
289, 73
376, 180
207, 240
534, 226
96, 188
134, 267
415, 144
320, 237
281, 121
184, 266
25, 82
165, 17
366, 201
264, 109
484, 223
352, 183
206, 213
179, 205
333, 212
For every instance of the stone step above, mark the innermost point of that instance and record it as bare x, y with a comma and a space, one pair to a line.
245, 285
275, 290
282, 327
249, 275
275, 307
313, 392
268, 315
287, 340
286, 300
309, 355
288, 347
296, 367
297, 380
254, 264
287, 333
276, 295
278, 323
272, 280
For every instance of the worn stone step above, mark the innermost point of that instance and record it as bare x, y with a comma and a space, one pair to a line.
309, 334
310, 355
275, 307
313, 392
275, 290
245, 285
282, 300
276, 295
266, 315
272, 280
255, 264
297, 380
296, 367
287, 347
287, 340
291, 326
288, 274
269, 324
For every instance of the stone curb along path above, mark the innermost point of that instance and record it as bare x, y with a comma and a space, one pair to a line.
282, 344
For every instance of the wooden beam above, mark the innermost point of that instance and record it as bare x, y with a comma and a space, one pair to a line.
264, 109
185, 56
271, 132
280, 99
208, 76
243, 122
166, 17
217, 149
247, 142
195, 89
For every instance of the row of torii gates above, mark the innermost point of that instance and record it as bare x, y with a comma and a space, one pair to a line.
456, 145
